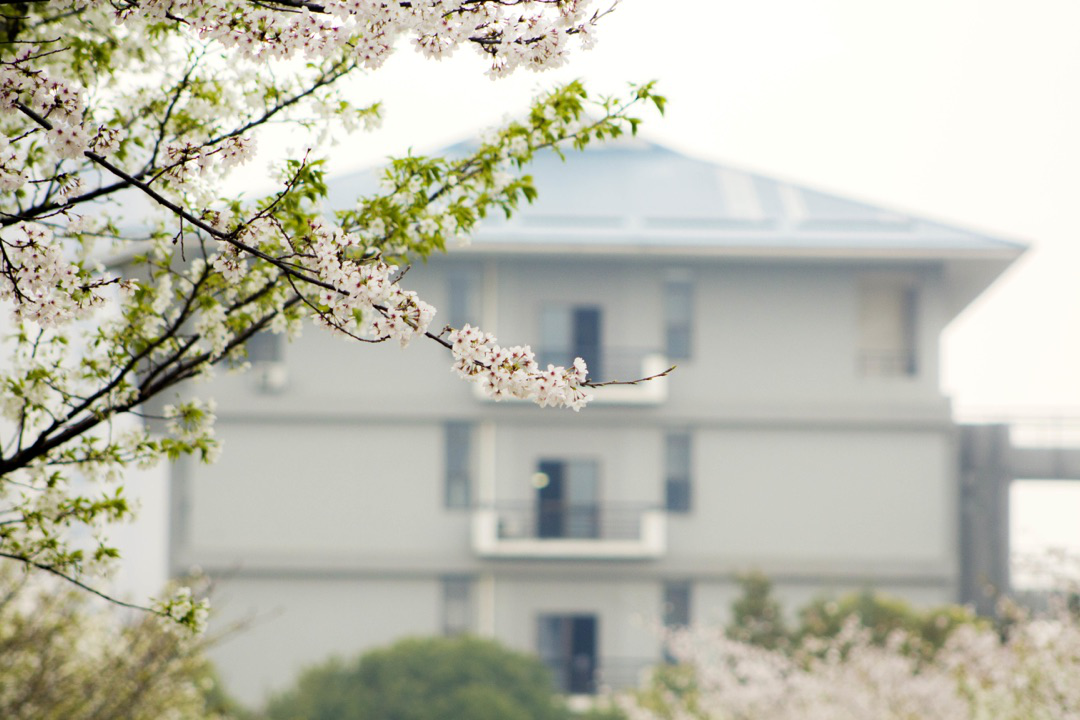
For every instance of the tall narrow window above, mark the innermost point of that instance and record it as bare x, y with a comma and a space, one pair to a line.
457, 604
572, 332
458, 480
888, 317
461, 298
678, 318
266, 353
676, 604
266, 346
676, 608
677, 482
567, 644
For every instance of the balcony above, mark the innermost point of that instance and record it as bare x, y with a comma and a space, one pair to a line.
887, 363
607, 364
585, 675
559, 531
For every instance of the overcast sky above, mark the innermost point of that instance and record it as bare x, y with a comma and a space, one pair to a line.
966, 111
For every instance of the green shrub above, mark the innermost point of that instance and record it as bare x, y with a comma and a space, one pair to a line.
425, 679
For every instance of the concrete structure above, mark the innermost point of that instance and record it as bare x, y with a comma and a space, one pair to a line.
989, 463
365, 493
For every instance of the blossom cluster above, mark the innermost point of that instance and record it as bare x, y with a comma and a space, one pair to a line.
526, 33
12, 175
513, 372
45, 288
530, 33
60, 102
363, 293
1027, 670
184, 609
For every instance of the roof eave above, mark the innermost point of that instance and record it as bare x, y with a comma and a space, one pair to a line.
1004, 255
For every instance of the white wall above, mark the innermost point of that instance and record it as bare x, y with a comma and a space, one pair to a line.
328, 500
277, 626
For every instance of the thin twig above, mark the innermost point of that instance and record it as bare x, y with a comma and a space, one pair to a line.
629, 382
79, 584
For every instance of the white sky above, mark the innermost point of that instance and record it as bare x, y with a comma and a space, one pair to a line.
966, 111
1043, 532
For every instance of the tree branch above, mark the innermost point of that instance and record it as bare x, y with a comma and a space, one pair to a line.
78, 583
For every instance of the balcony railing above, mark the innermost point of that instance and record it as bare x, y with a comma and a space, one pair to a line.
888, 363
615, 363
586, 675
553, 530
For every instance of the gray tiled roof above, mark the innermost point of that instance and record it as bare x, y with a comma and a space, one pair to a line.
636, 194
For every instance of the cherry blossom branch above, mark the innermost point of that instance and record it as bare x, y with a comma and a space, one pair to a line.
512, 371
339, 70
658, 375
182, 371
53, 570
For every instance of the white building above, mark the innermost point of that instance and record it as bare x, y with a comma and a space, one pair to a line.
366, 494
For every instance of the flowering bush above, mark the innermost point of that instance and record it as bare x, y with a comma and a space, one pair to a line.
1027, 671
103, 104
61, 661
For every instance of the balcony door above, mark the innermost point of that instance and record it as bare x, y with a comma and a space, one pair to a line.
567, 499
572, 332
567, 645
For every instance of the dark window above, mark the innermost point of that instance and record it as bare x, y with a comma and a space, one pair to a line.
458, 485
567, 644
266, 347
567, 333
677, 462
266, 353
676, 604
566, 499
457, 605
678, 318
676, 611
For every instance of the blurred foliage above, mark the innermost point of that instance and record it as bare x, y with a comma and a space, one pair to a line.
756, 616
602, 712
61, 658
758, 619
425, 679
882, 615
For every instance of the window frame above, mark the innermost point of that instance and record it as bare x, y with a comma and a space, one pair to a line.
678, 317
459, 467
457, 599
872, 358
678, 471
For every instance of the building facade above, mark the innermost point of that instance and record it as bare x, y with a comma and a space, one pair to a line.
365, 494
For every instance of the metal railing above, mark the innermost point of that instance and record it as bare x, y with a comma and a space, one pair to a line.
1030, 427
888, 363
587, 675
551, 520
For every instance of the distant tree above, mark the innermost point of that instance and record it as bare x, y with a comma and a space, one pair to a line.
926, 630
425, 679
756, 616
61, 661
